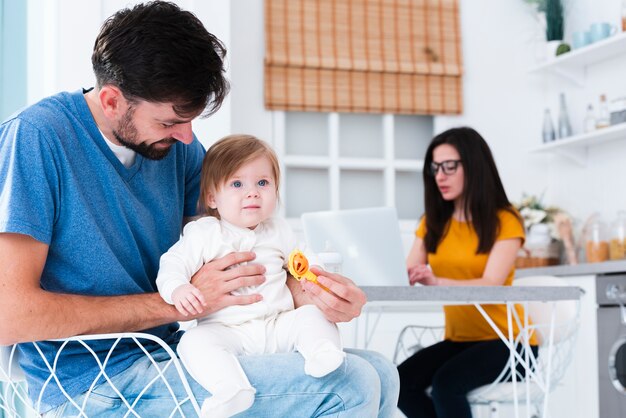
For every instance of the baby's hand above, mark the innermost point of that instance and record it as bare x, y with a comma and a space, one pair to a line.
188, 300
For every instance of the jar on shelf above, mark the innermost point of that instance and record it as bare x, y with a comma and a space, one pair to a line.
596, 242
589, 123
617, 111
539, 249
604, 117
617, 245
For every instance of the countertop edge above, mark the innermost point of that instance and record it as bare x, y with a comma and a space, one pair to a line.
607, 267
472, 294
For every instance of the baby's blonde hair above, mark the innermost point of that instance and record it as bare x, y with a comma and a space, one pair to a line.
224, 158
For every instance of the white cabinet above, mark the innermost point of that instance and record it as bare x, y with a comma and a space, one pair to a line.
574, 66
333, 161
577, 395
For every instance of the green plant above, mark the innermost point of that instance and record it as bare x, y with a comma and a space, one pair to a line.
533, 211
554, 17
563, 48
554, 20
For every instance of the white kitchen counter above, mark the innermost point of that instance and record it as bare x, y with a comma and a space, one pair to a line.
579, 395
607, 267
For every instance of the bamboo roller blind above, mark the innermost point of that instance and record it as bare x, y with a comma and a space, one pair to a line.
379, 56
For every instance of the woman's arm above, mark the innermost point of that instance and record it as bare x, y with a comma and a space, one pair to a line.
416, 264
417, 255
501, 260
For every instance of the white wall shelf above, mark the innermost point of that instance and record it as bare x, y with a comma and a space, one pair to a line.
576, 147
572, 65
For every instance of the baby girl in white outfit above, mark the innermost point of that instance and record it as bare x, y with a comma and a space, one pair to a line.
239, 193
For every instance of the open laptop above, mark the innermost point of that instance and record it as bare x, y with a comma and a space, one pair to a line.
368, 240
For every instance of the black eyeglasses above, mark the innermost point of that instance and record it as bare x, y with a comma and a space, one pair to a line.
448, 167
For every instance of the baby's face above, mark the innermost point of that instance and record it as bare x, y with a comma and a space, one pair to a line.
248, 197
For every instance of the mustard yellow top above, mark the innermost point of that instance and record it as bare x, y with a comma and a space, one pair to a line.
456, 258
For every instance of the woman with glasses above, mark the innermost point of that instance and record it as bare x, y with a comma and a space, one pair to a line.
469, 236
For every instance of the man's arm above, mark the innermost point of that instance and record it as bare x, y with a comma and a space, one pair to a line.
30, 313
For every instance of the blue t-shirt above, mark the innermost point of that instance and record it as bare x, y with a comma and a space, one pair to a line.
106, 225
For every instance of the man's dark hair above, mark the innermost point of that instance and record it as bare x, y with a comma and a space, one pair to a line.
159, 53
483, 192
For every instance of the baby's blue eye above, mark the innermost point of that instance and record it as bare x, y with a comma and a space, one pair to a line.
263, 183
237, 183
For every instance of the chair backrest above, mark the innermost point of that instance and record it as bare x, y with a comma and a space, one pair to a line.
553, 359
413, 338
565, 312
10, 371
566, 323
15, 402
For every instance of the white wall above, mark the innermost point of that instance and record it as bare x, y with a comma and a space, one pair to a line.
505, 103
501, 41
597, 186
61, 34
501, 99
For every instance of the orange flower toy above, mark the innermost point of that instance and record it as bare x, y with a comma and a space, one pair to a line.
299, 268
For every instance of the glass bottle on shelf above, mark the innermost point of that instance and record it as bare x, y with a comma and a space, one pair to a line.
604, 118
596, 243
589, 124
548, 134
623, 15
617, 245
565, 128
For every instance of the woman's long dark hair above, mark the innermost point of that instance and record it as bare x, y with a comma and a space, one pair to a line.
483, 193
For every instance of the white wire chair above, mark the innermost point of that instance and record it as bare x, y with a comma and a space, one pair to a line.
413, 338
15, 402
555, 325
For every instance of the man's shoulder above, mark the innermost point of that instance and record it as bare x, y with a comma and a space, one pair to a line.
51, 114
47, 110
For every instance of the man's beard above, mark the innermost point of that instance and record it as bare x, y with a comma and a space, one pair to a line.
126, 134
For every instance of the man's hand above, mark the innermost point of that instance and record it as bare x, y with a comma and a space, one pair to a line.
341, 303
218, 278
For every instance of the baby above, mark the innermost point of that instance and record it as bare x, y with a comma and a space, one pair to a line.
238, 193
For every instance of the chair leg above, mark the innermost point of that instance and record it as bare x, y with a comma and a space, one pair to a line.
494, 410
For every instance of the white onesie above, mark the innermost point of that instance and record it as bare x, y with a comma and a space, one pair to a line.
209, 350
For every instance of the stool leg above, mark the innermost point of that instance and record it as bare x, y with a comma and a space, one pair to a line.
494, 410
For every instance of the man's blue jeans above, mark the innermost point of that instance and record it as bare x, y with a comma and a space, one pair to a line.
366, 385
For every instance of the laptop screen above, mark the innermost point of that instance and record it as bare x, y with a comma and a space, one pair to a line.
368, 240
